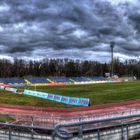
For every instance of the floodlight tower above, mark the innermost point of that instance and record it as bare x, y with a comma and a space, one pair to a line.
112, 44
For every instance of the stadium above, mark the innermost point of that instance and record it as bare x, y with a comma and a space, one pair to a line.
69, 70
112, 106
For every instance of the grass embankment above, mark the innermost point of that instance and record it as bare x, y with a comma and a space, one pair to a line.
98, 94
6, 118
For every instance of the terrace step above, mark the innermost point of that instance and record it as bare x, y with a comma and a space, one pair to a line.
50, 80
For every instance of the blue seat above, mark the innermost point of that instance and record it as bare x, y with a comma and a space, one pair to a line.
38, 80
60, 79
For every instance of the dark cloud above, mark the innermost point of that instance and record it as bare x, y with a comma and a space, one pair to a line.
60, 28
135, 20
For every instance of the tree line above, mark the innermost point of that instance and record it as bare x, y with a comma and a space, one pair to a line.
66, 67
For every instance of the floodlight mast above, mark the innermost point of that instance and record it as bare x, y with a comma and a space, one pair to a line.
112, 44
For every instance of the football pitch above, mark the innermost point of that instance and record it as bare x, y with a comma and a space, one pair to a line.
98, 94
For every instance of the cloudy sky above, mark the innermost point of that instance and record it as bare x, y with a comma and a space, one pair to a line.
79, 29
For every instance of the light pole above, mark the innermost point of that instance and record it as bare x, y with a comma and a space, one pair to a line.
39, 67
112, 44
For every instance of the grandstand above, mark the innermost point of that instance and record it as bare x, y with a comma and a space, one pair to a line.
14, 81
96, 78
80, 79
65, 80
62, 80
38, 80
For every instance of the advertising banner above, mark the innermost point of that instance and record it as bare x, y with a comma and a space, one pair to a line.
2, 87
14, 90
59, 98
36, 94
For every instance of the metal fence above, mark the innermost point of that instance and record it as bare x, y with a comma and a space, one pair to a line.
117, 128
51, 121
18, 127
10, 131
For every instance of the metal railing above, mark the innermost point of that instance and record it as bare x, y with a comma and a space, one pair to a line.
125, 126
10, 131
51, 121
40, 128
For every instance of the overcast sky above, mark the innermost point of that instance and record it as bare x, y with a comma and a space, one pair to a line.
79, 29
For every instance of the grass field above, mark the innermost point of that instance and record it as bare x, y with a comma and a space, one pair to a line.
98, 94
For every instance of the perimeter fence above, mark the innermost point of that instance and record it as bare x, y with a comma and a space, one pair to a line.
117, 126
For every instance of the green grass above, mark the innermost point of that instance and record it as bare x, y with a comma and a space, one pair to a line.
98, 94
6, 118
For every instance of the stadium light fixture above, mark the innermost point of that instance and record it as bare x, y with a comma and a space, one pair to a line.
112, 44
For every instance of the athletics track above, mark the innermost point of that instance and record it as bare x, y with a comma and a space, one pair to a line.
67, 112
